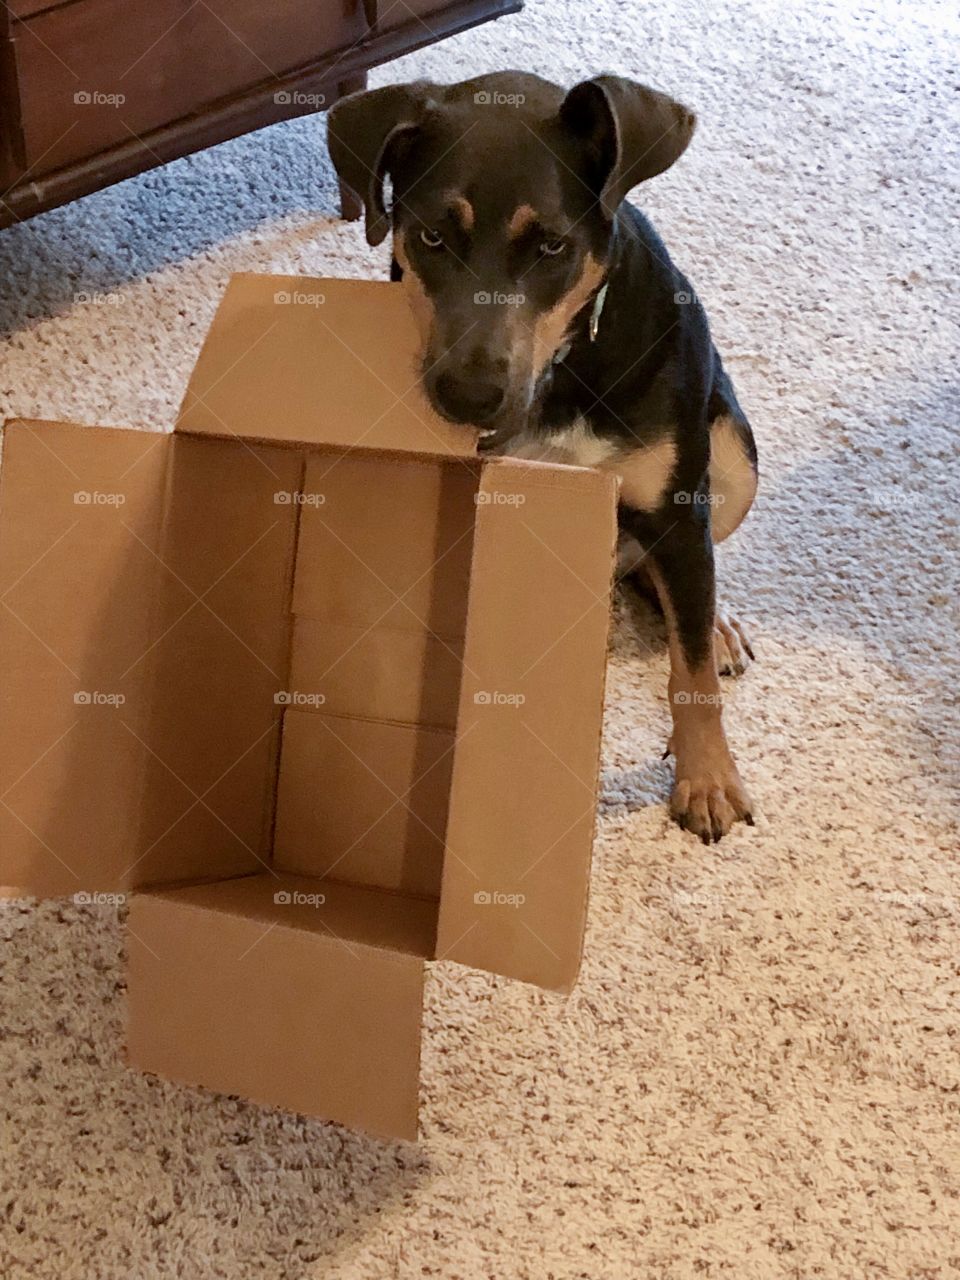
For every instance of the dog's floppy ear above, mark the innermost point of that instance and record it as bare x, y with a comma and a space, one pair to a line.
629, 132
364, 131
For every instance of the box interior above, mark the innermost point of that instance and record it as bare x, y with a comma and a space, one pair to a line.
368, 589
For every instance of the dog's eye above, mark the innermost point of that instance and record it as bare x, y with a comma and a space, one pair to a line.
431, 238
552, 248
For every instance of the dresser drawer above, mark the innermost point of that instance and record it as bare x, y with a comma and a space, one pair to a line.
98, 73
427, 16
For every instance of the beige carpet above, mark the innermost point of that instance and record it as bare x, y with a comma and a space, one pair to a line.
759, 1073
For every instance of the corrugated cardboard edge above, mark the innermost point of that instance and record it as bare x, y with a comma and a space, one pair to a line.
568, 480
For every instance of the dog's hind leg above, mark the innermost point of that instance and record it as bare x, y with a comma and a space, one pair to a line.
731, 646
733, 487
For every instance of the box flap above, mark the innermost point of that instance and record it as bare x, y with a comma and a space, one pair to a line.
78, 593
144, 627
523, 796
287, 991
316, 361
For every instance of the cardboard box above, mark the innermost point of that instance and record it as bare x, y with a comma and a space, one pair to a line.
318, 683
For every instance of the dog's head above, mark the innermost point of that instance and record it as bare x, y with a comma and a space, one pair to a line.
505, 190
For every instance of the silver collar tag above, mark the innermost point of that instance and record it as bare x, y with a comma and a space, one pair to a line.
592, 328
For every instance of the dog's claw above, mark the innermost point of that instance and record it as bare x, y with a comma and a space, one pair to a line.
731, 646
707, 803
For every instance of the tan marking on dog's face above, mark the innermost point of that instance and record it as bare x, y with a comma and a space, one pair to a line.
420, 303
523, 217
462, 209
550, 329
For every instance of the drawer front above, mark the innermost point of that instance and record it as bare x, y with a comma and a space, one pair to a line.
426, 16
97, 73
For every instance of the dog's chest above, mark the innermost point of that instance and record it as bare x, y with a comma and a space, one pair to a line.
574, 446
644, 470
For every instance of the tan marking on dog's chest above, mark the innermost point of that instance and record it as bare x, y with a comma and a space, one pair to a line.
644, 472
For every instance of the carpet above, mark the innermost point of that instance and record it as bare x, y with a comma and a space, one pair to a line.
758, 1074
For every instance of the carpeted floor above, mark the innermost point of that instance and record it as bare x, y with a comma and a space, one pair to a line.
758, 1075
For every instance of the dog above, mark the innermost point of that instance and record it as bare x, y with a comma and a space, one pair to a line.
554, 320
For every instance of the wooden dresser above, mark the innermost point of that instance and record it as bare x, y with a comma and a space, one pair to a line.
92, 91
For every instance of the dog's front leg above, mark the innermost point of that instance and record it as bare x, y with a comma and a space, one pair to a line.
708, 795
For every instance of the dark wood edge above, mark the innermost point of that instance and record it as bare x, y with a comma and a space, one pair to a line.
251, 110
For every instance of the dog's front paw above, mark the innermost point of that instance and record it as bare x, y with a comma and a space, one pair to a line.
709, 800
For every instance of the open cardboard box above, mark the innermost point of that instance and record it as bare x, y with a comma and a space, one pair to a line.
318, 683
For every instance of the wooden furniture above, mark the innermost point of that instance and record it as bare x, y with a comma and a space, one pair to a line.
92, 91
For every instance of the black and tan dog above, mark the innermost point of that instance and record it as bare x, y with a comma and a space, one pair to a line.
553, 317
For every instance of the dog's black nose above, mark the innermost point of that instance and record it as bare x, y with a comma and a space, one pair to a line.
464, 399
